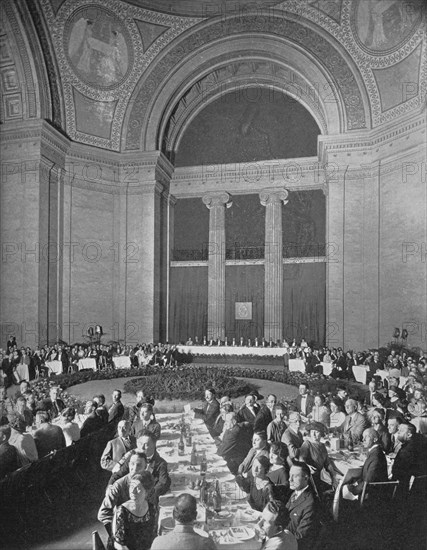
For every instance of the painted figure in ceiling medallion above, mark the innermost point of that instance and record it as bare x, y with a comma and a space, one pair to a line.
97, 47
383, 25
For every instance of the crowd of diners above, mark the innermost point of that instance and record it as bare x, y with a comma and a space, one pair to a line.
278, 454
22, 363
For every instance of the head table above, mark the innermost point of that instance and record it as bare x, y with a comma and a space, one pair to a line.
233, 528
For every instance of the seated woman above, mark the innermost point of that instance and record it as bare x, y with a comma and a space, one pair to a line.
134, 521
278, 473
69, 427
314, 453
337, 417
257, 484
320, 412
259, 448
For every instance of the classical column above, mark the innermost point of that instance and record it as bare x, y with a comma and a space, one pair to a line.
273, 279
216, 202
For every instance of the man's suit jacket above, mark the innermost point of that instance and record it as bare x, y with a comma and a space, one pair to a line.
246, 465
235, 445
116, 412
183, 536
385, 439
48, 438
245, 415
158, 467
293, 442
93, 423
115, 450
152, 426
304, 522
308, 406
54, 408
263, 419
8, 459
374, 468
411, 460
355, 426
395, 444
209, 412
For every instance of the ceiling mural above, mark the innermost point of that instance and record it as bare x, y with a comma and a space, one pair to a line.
106, 50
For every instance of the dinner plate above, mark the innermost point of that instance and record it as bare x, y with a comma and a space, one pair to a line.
201, 532
242, 533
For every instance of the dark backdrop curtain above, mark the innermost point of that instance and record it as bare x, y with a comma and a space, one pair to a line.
244, 283
304, 302
188, 303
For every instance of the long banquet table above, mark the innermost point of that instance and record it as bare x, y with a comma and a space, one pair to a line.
233, 350
233, 527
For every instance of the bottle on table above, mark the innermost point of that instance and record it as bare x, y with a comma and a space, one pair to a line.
193, 457
217, 497
350, 445
203, 464
188, 438
203, 491
181, 446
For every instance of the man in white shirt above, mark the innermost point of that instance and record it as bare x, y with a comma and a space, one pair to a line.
304, 401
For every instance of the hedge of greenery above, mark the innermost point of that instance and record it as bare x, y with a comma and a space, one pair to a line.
166, 380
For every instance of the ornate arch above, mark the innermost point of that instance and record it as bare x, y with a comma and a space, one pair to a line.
165, 99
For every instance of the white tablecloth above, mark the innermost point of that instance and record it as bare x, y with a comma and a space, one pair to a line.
22, 373
360, 373
233, 350
235, 509
54, 366
296, 365
122, 362
87, 363
327, 368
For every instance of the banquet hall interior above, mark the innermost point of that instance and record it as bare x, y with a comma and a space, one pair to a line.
223, 173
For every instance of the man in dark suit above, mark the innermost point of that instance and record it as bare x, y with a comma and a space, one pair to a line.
374, 467
236, 443
118, 447
355, 423
93, 421
292, 437
155, 463
146, 421
53, 405
116, 410
393, 424
411, 460
210, 410
265, 414
248, 412
304, 401
8, 453
304, 521
48, 438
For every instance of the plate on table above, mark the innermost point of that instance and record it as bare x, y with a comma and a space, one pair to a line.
242, 533
250, 516
201, 532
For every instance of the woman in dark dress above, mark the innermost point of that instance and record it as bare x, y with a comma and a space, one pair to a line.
278, 473
134, 520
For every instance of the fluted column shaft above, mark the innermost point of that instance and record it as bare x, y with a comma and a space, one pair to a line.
273, 277
216, 202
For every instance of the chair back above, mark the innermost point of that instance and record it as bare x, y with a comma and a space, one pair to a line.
97, 543
378, 490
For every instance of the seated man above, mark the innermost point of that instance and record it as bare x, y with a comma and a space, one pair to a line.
23, 441
304, 400
118, 447
248, 412
183, 536
219, 424
235, 443
116, 411
292, 437
374, 467
155, 463
259, 448
210, 409
8, 453
93, 421
101, 410
377, 417
302, 507
118, 493
355, 422
393, 424
411, 460
146, 421
275, 517
54, 406
48, 437
265, 414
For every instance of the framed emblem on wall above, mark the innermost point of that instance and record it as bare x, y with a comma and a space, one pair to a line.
243, 311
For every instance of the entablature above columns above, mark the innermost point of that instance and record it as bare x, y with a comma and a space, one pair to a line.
300, 174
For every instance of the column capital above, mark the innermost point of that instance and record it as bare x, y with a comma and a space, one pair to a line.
217, 199
271, 196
